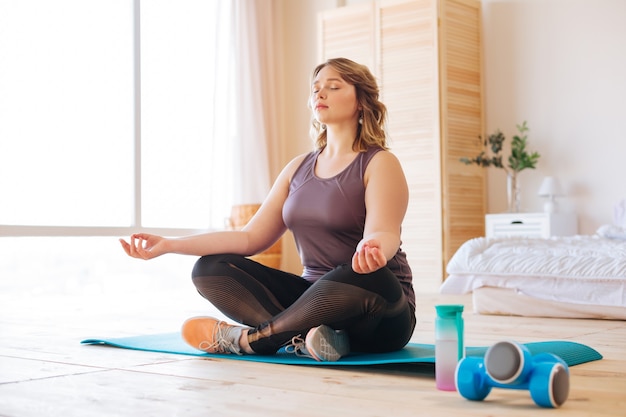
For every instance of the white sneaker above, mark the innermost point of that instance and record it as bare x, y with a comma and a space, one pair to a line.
324, 344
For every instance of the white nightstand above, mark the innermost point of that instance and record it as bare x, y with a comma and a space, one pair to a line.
530, 224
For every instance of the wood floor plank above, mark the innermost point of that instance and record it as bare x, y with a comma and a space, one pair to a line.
20, 370
126, 393
332, 392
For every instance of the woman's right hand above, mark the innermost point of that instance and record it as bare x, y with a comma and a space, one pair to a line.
144, 246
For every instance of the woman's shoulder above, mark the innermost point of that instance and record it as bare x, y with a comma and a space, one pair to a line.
381, 155
383, 161
292, 166
298, 160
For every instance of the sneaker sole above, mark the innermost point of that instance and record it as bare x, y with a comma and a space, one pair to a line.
332, 345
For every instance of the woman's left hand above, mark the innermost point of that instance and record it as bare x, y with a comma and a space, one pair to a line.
368, 257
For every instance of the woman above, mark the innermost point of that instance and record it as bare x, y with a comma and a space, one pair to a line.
344, 203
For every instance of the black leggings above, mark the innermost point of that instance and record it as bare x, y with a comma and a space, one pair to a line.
371, 308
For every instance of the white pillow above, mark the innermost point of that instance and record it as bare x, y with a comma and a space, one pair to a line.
612, 231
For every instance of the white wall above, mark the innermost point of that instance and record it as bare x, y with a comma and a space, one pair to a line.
561, 66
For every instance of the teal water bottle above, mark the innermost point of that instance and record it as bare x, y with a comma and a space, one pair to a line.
449, 347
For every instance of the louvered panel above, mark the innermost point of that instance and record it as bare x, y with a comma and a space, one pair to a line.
347, 32
408, 62
464, 188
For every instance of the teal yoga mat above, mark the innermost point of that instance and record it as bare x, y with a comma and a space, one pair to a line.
571, 352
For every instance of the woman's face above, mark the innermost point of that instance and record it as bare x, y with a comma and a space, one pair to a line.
333, 100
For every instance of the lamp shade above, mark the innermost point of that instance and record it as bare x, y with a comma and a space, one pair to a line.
550, 187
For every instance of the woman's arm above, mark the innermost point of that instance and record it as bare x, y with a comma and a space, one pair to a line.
147, 246
386, 201
265, 228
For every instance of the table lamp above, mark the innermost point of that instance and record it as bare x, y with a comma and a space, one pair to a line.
551, 188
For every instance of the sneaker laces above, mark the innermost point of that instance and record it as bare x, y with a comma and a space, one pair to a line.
224, 341
297, 345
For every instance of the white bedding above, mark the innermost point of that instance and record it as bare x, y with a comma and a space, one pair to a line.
587, 269
506, 302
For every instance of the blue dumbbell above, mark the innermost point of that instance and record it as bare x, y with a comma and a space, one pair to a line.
510, 365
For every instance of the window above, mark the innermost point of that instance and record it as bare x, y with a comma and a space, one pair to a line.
69, 107
66, 112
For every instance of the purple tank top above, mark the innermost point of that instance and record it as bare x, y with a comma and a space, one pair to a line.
327, 219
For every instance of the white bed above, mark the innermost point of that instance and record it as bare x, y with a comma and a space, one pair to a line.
576, 277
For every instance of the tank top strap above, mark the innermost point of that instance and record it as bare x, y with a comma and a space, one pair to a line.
366, 157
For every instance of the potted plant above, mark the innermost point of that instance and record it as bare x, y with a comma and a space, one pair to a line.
519, 160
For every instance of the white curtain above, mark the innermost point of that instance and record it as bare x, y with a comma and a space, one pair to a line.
235, 168
254, 106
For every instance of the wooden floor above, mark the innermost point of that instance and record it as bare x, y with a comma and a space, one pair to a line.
56, 292
44, 371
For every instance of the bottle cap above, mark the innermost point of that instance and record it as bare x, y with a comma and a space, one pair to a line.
449, 311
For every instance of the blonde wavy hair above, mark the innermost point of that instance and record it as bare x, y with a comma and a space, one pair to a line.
374, 113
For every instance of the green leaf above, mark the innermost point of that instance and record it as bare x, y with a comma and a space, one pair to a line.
519, 159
